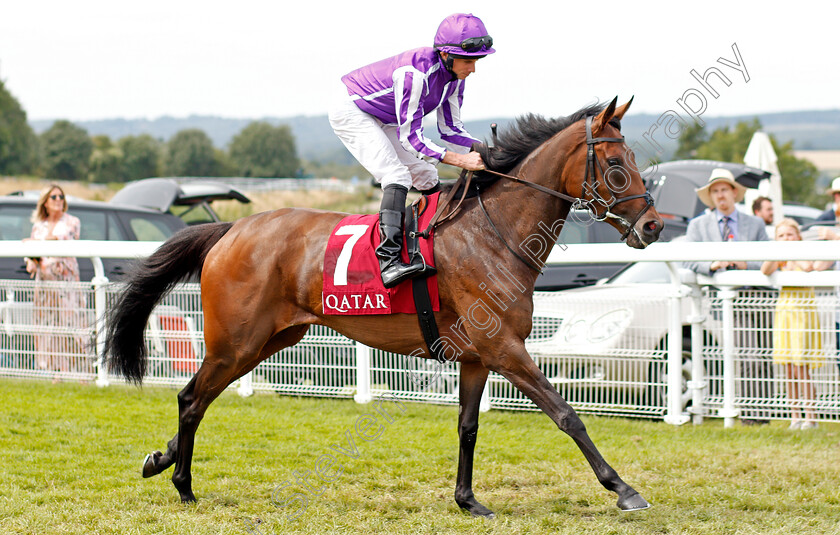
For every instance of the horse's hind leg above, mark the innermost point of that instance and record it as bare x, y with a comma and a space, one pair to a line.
473, 379
156, 462
215, 374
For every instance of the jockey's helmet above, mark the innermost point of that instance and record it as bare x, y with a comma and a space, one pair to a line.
463, 35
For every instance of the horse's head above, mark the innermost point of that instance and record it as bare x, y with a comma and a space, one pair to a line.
602, 173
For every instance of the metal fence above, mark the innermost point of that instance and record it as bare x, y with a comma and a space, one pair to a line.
786, 362
606, 355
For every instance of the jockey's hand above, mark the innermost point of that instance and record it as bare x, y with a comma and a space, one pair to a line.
470, 161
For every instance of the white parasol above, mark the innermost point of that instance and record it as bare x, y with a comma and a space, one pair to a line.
760, 154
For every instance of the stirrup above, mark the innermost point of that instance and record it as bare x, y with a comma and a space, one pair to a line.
397, 272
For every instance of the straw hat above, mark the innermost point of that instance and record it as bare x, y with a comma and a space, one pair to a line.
835, 186
721, 175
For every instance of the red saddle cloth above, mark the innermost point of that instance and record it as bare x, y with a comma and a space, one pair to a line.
352, 280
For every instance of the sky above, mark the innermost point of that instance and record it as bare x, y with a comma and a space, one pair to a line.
101, 59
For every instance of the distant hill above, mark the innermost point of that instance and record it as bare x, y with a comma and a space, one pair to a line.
809, 130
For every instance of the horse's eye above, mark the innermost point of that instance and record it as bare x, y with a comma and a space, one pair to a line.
614, 162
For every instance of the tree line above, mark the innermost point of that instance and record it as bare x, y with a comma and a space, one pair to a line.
799, 176
67, 152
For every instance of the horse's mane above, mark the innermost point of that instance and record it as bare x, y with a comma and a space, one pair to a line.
523, 137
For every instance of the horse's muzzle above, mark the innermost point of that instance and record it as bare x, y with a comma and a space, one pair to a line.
647, 231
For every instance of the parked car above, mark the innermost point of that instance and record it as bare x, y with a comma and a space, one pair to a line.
804, 215
99, 221
609, 341
580, 228
130, 216
190, 201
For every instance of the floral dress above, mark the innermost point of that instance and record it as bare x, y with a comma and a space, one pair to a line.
58, 309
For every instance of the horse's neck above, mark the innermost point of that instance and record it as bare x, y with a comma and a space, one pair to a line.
528, 219
535, 217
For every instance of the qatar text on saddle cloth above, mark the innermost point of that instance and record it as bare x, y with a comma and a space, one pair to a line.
352, 281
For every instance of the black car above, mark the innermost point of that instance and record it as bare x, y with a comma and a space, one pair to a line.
146, 210
189, 199
99, 221
579, 229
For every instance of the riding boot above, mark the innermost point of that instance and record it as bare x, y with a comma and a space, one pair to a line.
412, 245
391, 215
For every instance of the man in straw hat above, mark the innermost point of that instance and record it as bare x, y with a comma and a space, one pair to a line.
832, 213
722, 222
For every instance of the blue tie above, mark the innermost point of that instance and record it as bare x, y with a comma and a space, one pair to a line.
727, 234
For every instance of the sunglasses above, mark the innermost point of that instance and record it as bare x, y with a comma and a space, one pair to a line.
57, 197
473, 43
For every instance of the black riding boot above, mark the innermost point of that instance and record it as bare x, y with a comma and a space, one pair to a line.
391, 215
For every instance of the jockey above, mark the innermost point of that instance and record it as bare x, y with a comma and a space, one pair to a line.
379, 118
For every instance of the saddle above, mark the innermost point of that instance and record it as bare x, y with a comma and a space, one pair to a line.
461, 185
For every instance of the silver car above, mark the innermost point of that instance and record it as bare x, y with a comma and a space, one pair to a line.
606, 345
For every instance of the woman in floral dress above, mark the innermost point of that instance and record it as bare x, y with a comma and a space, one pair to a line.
57, 309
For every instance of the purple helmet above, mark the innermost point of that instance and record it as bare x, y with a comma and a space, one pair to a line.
463, 34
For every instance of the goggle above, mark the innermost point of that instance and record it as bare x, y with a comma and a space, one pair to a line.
471, 44
57, 197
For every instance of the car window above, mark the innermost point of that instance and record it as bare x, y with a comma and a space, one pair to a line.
98, 225
148, 228
581, 228
14, 222
802, 219
194, 214
573, 232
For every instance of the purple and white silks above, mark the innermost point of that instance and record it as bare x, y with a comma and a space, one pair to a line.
402, 89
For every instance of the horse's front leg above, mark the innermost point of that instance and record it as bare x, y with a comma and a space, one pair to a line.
518, 367
473, 379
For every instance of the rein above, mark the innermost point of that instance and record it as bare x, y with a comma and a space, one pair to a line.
593, 165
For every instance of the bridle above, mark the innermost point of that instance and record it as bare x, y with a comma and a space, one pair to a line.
593, 204
590, 186
591, 163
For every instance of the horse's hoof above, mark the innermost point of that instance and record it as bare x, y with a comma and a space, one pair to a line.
150, 464
483, 512
634, 502
476, 509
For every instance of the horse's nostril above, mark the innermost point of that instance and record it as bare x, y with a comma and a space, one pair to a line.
651, 226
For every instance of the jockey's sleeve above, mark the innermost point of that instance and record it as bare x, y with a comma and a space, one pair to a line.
449, 119
410, 88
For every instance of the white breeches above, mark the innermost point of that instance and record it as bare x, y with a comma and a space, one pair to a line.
377, 147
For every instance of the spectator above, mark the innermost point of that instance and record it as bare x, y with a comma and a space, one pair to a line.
763, 207
724, 223
796, 336
56, 308
828, 233
833, 212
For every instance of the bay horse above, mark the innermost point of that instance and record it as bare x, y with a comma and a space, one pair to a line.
261, 283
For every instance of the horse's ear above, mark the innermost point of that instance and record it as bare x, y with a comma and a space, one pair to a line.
621, 110
603, 118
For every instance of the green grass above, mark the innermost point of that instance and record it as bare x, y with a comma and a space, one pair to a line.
71, 456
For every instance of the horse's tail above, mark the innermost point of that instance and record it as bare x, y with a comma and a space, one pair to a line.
179, 258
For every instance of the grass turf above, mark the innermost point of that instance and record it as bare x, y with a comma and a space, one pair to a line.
72, 454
